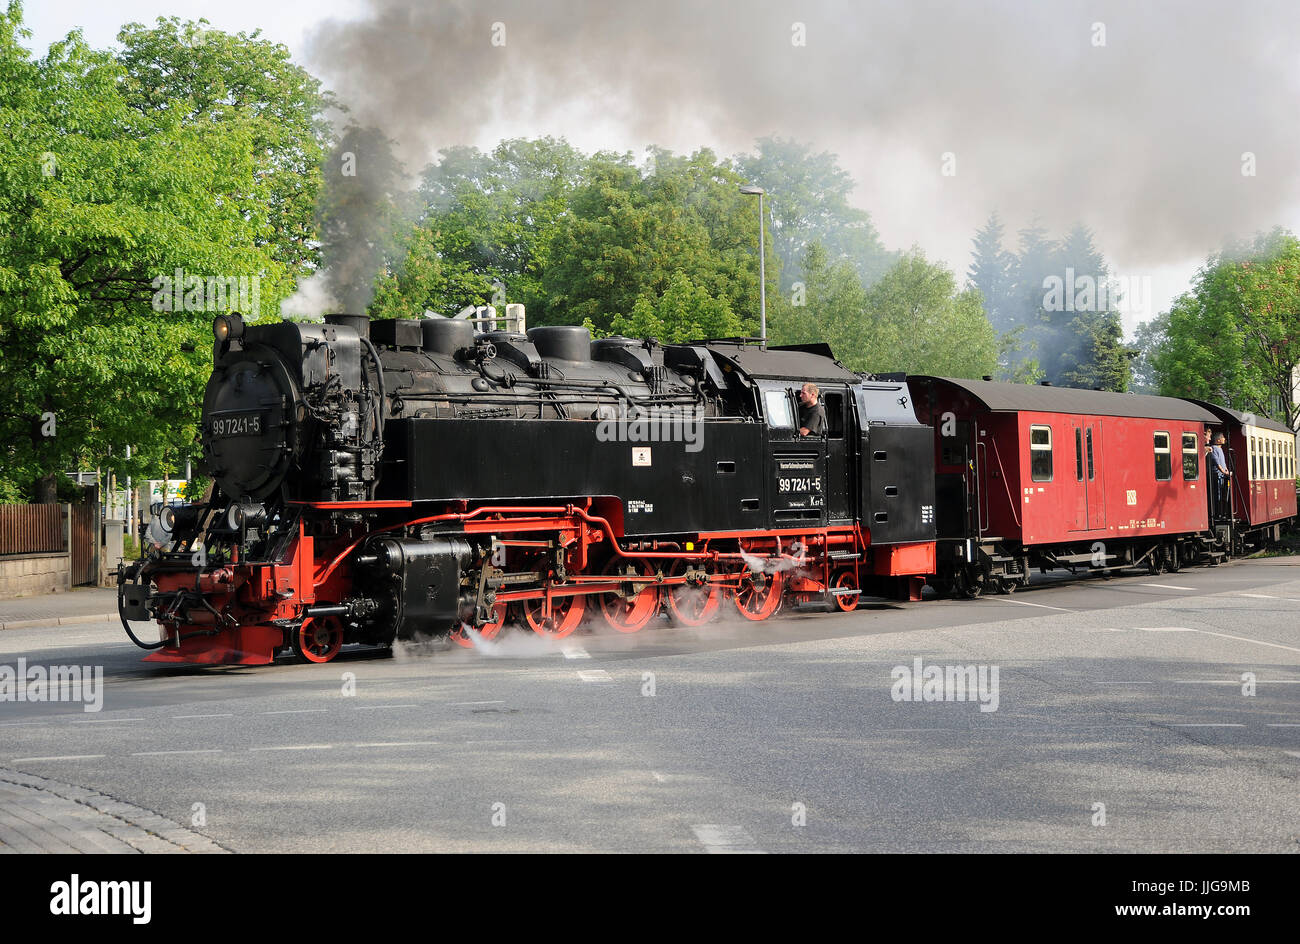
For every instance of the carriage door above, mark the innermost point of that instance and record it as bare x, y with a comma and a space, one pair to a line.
1092, 466
839, 487
1087, 505
1076, 508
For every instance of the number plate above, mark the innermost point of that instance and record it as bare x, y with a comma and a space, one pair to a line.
230, 425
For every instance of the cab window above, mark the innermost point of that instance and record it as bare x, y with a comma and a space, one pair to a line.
776, 404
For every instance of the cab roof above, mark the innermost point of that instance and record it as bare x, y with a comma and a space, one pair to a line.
794, 362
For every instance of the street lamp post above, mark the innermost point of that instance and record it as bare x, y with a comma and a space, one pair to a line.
751, 190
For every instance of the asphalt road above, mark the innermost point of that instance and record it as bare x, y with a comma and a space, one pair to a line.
1122, 724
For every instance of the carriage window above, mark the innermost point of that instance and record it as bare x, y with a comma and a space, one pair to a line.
1164, 460
1191, 458
1272, 458
1091, 476
777, 406
1078, 454
1040, 453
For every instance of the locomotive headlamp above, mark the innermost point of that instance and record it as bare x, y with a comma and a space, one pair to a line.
167, 519
243, 515
226, 327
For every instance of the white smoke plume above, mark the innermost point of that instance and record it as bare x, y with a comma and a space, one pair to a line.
1135, 119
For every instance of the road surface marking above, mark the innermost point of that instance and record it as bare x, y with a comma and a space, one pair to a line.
397, 744
595, 675
183, 717
214, 750
504, 741
1205, 725
1258, 642
1207, 632
373, 707
28, 760
295, 747
1043, 605
1258, 596
658, 776
1165, 586
107, 720
726, 839
459, 704
1235, 681
1286, 724
575, 652
297, 711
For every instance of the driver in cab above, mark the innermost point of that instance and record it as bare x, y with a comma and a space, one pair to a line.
812, 414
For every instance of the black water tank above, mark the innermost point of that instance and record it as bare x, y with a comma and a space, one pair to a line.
358, 323
447, 335
562, 342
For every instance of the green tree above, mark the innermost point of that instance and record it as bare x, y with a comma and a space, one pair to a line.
684, 312
913, 319
831, 308
1151, 338
626, 236
808, 202
484, 229
206, 77
1235, 337
922, 324
992, 272
101, 203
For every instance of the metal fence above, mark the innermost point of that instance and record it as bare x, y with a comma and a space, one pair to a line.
31, 529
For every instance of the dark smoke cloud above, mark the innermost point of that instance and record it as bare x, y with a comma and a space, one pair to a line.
1141, 139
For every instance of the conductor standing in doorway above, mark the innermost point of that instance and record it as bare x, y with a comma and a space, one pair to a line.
1219, 465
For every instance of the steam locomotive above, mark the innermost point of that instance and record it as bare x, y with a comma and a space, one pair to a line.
389, 480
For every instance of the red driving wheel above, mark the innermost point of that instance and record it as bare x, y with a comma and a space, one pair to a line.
631, 612
691, 605
563, 619
461, 634
759, 595
318, 639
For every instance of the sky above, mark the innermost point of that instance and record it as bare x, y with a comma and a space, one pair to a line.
1166, 127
